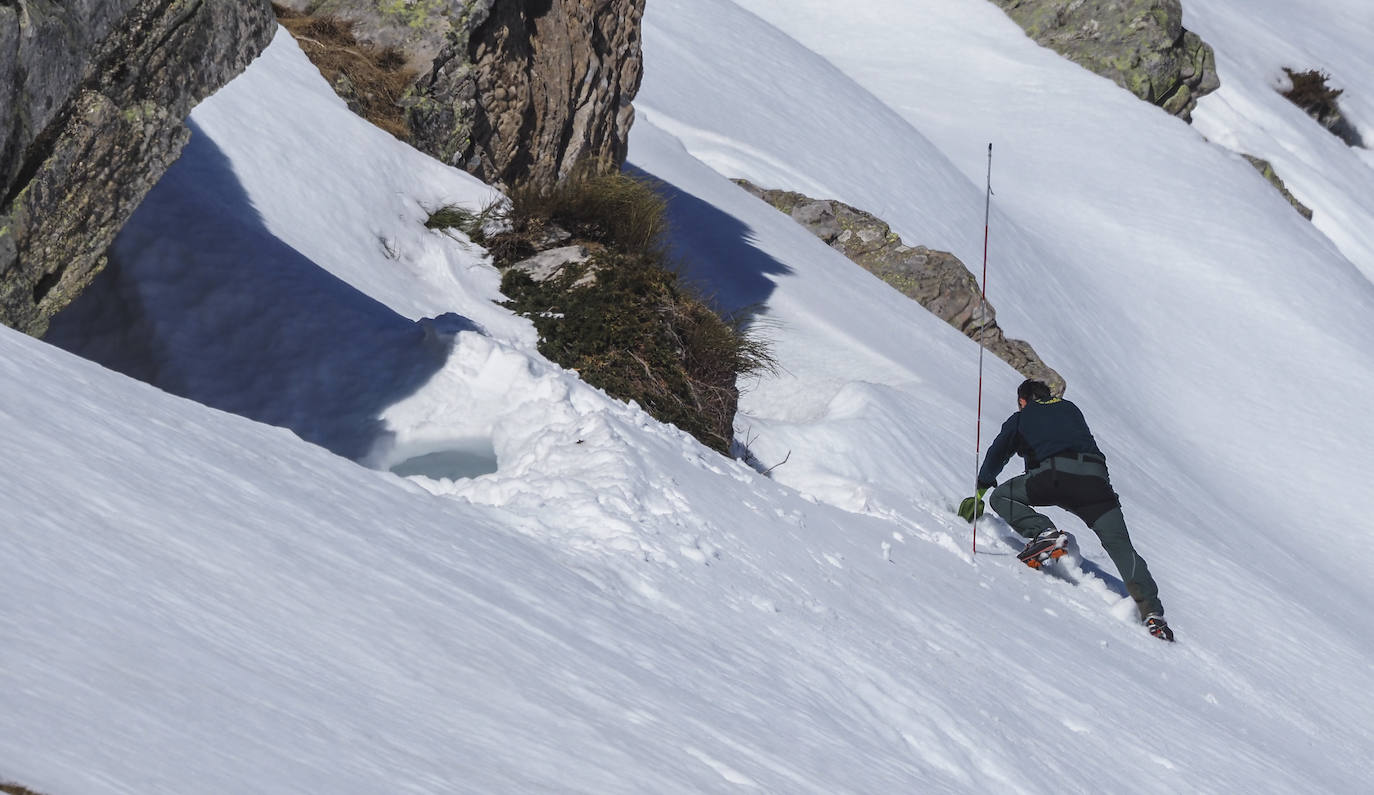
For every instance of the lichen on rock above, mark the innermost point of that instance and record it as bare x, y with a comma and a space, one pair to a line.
1141, 45
1266, 169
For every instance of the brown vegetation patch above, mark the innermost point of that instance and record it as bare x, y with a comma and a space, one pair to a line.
371, 79
614, 209
635, 329
15, 789
1310, 92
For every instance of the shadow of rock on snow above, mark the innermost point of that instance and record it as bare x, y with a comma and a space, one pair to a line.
200, 299
714, 250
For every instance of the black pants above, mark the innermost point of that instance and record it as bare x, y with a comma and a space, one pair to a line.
1082, 486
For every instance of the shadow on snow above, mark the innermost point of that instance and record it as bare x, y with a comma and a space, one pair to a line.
201, 300
715, 251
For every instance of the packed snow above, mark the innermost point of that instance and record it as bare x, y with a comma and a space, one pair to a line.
345, 530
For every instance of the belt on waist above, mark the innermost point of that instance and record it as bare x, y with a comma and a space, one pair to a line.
1091, 458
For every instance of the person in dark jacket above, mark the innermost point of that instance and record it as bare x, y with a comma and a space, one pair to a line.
1064, 468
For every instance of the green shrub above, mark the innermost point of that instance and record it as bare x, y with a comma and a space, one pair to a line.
637, 331
1311, 93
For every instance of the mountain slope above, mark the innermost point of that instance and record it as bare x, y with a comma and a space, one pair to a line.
1192, 308
209, 604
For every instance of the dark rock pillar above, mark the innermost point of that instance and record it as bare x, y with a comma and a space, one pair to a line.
93, 96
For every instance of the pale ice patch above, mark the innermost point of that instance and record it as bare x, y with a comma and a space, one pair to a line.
454, 460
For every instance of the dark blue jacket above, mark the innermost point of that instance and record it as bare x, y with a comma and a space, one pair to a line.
1039, 431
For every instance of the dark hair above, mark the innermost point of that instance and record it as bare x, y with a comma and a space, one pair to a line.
1032, 389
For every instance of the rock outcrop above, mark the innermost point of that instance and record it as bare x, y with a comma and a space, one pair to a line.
936, 280
511, 91
1266, 169
419, 29
554, 88
1139, 44
554, 262
93, 95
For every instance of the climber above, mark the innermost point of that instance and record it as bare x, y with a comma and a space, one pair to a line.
1064, 468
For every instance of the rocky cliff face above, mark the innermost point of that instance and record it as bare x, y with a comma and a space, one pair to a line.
936, 280
1140, 44
419, 28
511, 90
93, 95
555, 79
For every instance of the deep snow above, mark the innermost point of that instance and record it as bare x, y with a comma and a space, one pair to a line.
197, 602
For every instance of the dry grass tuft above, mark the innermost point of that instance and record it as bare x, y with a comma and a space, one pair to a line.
614, 209
371, 79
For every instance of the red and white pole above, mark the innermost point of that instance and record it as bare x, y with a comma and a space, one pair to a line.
982, 331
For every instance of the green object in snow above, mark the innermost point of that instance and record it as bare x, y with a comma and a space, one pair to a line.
972, 507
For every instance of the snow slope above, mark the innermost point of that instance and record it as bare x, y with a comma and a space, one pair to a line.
196, 602
1094, 179
1254, 42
